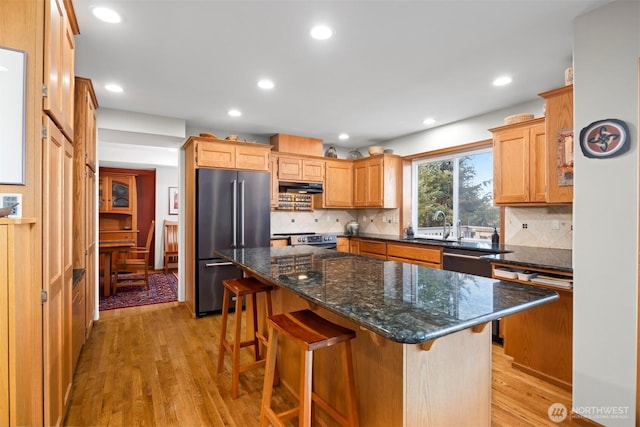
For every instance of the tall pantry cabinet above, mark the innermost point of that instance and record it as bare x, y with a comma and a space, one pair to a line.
36, 380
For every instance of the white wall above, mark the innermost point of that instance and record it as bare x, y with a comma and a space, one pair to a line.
165, 177
463, 132
605, 256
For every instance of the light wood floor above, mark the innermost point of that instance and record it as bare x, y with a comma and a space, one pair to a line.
156, 365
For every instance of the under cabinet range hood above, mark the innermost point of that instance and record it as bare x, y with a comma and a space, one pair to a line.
300, 187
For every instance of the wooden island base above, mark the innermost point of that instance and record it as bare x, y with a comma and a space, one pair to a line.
448, 383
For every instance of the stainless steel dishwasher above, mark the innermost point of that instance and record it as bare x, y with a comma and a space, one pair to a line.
469, 262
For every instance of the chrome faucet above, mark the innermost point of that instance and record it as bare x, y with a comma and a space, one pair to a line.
459, 230
445, 224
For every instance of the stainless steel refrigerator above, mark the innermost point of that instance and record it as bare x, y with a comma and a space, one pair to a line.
232, 211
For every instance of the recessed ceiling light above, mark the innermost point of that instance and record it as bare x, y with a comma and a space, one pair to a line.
429, 121
321, 32
343, 136
234, 113
112, 87
502, 81
265, 84
106, 15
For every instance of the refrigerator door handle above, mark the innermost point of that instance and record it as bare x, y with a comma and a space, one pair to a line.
235, 213
242, 213
217, 264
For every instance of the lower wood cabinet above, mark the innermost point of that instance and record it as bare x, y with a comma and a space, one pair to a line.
372, 248
540, 340
426, 256
78, 315
343, 244
20, 326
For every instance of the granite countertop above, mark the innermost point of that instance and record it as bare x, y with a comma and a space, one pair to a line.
464, 244
528, 256
401, 302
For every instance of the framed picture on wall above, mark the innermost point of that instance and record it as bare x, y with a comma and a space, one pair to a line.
174, 200
12, 116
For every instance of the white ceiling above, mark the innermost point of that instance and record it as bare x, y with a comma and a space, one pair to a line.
389, 65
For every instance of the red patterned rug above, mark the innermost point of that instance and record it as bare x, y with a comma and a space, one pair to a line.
162, 288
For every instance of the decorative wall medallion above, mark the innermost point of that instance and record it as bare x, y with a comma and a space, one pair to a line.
604, 138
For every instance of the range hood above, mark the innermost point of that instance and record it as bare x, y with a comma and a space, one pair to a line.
300, 187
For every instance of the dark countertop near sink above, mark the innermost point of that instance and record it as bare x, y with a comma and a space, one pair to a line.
474, 246
529, 256
401, 302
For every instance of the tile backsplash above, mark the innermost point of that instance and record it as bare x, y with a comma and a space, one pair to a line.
544, 227
376, 221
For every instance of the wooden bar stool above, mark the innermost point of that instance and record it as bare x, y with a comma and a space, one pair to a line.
242, 287
310, 332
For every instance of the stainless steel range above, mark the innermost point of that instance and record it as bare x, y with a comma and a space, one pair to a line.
329, 241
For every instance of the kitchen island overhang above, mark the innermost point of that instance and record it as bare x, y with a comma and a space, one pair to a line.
398, 311
402, 302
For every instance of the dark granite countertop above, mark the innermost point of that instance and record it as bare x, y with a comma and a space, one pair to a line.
529, 256
402, 302
464, 244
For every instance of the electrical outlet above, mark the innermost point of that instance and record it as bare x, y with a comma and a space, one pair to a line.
384, 218
328, 218
9, 199
555, 224
364, 219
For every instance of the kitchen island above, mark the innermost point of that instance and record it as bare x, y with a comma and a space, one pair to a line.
422, 354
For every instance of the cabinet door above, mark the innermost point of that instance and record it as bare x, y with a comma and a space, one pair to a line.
252, 158
120, 193
343, 244
313, 170
53, 152
215, 155
375, 182
360, 184
537, 164
511, 166
338, 189
59, 66
289, 168
560, 144
275, 190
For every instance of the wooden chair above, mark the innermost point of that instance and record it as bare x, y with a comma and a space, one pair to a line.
170, 243
132, 262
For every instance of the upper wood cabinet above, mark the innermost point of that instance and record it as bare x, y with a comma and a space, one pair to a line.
214, 153
560, 144
117, 194
377, 181
338, 185
273, 163
58, 77
295, 168
519, 163
85, 123
533, 160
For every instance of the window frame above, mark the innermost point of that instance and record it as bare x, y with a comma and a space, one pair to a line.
453, 152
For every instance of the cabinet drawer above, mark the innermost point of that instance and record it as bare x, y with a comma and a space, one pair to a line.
415, 252
370, 247
415, 262
119, 235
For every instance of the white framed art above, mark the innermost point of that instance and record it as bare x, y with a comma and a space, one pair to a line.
12, 116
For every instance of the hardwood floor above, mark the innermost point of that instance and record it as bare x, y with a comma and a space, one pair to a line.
156, 365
